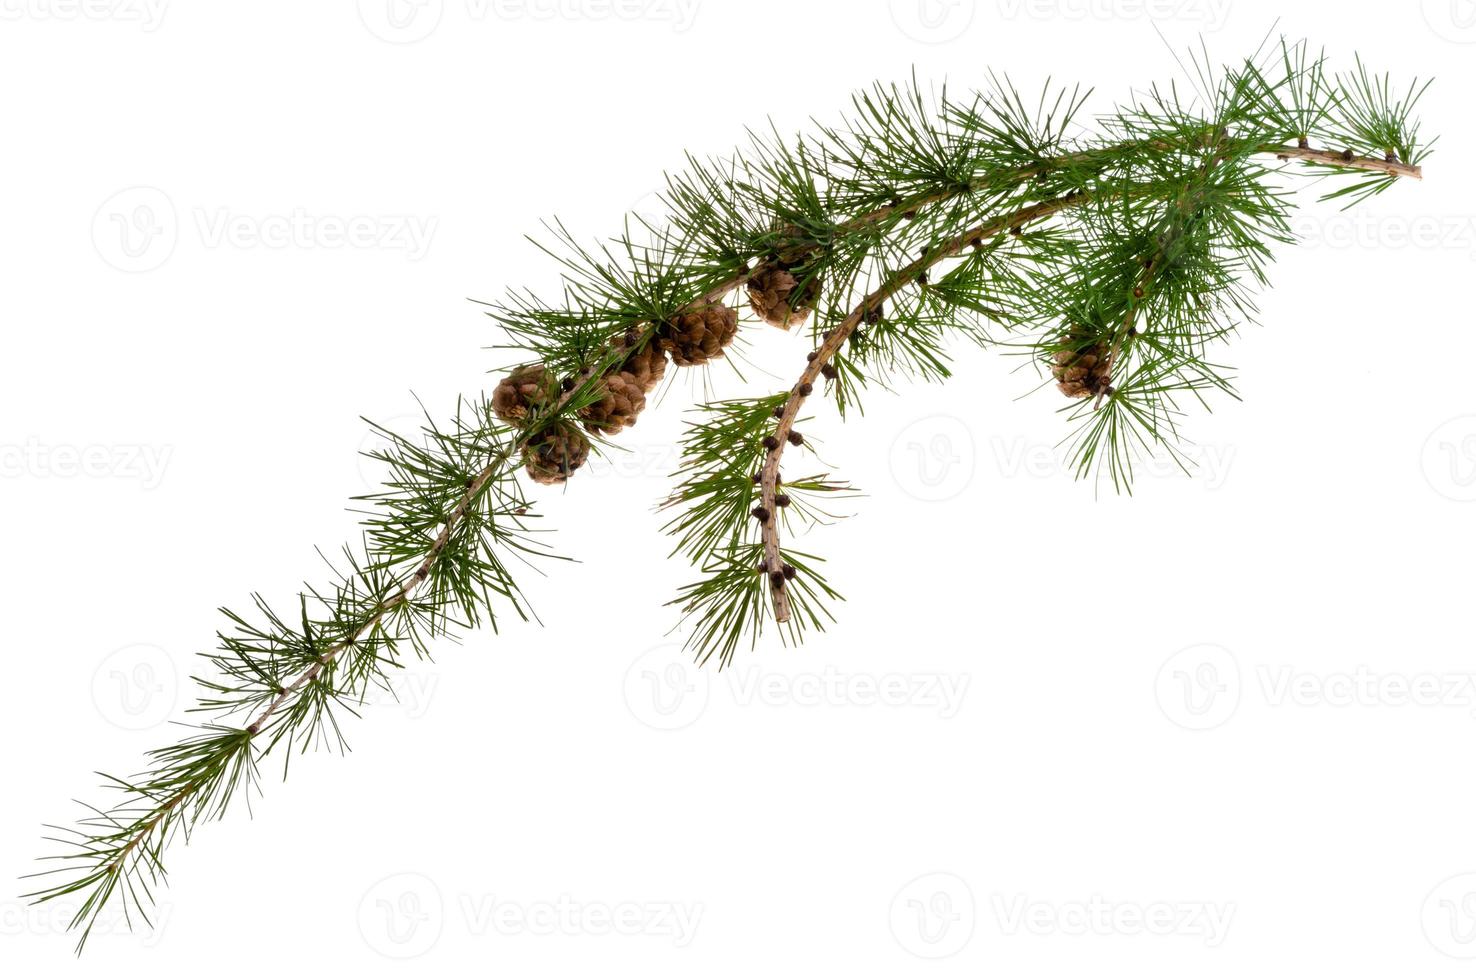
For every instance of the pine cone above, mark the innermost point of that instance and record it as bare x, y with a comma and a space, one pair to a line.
556, 452
772, 294
695, 337
622, 401
523, 392
647, 366
1082, 373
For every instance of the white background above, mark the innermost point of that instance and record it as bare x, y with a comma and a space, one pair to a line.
1236, 706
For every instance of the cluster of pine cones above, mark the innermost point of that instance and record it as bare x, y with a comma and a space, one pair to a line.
691, 338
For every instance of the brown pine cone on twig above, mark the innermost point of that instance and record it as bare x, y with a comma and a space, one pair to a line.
621, 401
555, 453
776, 296
523, 392
696, 336
1084, 372
647, 366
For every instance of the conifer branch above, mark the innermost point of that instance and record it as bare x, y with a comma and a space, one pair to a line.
1112, 260
773, 566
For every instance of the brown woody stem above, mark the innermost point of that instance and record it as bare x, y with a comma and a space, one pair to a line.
1346, 161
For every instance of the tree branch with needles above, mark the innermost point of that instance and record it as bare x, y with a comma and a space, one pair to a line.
923, 219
